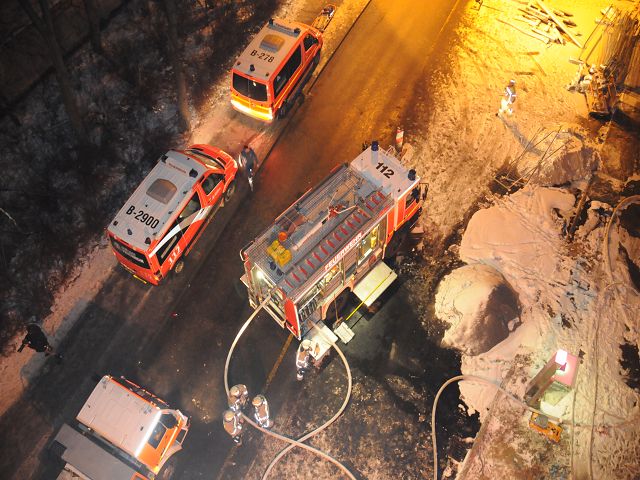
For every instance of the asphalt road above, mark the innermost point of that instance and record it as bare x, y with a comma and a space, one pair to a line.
174, 338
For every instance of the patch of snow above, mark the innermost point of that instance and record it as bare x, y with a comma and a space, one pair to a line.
516, 236
568, 302
478, 305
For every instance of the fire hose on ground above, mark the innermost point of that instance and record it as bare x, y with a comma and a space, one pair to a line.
487, 381
474, 378
293, 442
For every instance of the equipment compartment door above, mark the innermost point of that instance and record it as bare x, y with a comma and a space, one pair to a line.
374, 283
369, 250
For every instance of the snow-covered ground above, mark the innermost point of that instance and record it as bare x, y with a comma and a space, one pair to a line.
571, 296
569, 301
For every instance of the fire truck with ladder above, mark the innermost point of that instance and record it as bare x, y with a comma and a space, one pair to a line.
332, 242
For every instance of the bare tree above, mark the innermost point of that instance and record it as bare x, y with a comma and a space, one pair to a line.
44, 25
94, 25
175, 59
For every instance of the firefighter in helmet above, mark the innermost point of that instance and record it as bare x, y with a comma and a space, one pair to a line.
238, 397
261, 411
233, 424
303, 358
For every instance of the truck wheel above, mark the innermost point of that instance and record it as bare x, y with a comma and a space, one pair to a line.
179, 266
394, 245
168, 470
284, 109
229, 192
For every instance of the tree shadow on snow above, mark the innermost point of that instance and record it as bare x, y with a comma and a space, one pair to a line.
513, 127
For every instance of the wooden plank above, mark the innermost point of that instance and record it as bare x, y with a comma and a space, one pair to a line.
534, 14
558, 23
531, 34
533, 23
551, 38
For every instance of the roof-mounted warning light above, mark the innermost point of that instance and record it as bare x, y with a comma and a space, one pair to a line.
291, 31
252, 68
374, 146
561, 359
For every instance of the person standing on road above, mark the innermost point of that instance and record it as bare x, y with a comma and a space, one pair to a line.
37, 340
508, 99
248, 160
303, 358
233, 424
261, 411
238, 397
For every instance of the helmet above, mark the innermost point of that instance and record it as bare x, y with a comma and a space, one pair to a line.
228, 416
306, 344
234, 391
512, 82
257, 401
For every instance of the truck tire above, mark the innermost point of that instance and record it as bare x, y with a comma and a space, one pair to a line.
394, 245
229, 192
179, 266
284, 109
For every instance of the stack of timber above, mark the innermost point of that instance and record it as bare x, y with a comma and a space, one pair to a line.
549, 25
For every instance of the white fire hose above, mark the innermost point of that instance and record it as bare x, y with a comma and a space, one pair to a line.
474, 378
292, 442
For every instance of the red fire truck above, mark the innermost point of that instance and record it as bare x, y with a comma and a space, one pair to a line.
332, 242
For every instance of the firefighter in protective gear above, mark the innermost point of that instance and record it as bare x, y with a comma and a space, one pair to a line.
238, 397
303, 358
233, 424
508, 99
261, 411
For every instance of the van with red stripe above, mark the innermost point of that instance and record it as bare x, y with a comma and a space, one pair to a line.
167, 213
270, 73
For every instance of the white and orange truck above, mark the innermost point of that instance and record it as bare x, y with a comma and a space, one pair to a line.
165, 216
331, 243
271, 72
123, 432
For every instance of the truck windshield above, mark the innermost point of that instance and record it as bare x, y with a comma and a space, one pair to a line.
136, 257
253, 90
157, 435
167, 421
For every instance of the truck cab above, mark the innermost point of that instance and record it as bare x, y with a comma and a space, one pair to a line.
123, 432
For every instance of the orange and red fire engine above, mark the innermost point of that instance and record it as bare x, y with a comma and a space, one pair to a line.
332, 241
